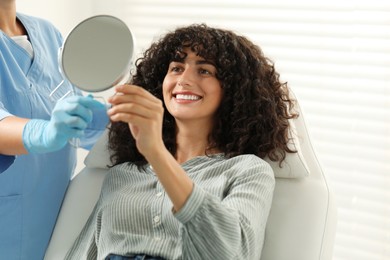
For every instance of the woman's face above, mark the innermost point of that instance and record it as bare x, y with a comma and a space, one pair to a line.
191, 89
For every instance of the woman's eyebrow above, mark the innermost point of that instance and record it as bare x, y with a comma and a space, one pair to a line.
207, 62
198, 62
178, 59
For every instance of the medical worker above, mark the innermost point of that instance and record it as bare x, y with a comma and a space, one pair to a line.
36, 157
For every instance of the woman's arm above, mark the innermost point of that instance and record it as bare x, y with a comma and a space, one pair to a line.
231, 228
144, 113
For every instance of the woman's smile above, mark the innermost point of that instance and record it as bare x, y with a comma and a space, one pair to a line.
186, 98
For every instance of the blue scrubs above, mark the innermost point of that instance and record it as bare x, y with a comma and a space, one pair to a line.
32, 186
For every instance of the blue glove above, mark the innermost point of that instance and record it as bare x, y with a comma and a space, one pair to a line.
69, 119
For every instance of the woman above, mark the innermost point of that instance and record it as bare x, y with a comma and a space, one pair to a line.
187, 138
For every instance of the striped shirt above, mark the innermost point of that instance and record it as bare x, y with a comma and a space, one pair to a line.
223, 218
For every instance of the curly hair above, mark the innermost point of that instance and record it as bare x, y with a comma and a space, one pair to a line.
253, 115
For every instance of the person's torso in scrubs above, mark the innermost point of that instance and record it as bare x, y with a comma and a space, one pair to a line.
31, 186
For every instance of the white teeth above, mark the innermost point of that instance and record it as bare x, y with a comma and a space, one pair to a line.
187, 97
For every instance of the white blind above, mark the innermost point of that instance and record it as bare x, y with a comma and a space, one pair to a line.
336, 57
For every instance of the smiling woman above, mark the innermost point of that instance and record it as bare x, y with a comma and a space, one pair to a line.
335, 56
182, 131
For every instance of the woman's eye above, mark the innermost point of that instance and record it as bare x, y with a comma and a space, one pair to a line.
176, 69
204, 71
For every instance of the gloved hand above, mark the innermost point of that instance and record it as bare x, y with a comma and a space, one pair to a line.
69, 119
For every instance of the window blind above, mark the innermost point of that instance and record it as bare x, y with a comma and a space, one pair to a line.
335, 55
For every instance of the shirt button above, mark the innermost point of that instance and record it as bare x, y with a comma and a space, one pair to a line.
156, 219
159, 194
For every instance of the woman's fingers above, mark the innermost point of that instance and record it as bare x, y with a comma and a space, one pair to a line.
142, 111
133, 101
119, 111
126, 111
130, 94
137, 93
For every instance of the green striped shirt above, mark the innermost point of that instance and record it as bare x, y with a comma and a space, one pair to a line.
224, 217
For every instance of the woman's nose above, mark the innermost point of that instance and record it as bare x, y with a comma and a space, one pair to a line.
186, 78
182, 82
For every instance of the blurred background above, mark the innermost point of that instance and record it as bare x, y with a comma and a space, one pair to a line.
335, 56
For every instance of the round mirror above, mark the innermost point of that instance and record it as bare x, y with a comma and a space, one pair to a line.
97, 53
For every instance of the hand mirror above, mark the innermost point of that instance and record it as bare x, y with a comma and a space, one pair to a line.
97, 53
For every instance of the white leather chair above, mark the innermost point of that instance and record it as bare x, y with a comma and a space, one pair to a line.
302, 221
303, 218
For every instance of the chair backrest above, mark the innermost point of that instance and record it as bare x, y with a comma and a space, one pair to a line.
303, 216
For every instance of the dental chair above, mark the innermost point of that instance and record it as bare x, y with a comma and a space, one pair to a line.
301, 224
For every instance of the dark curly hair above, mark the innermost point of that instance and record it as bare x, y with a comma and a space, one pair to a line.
253, 115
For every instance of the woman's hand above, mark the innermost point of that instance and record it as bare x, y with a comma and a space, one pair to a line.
144, 114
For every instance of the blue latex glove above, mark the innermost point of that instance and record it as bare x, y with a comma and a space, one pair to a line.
69, 119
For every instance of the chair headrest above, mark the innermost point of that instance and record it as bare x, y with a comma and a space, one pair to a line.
294, 166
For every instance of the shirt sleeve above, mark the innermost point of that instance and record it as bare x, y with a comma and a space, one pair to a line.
233, 227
